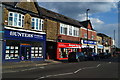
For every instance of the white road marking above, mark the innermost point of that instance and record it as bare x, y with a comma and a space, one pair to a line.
54, 75
98, 65
78, 70
110, 62
68, 73
24, 70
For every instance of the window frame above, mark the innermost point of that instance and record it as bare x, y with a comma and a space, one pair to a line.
18, 19
37, 26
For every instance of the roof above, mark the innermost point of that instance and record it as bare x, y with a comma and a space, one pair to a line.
44, 13
85, 24
102, 35
56, 16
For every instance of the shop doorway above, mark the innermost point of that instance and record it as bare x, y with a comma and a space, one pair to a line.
25, 52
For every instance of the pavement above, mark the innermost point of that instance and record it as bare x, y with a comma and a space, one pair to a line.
18, 66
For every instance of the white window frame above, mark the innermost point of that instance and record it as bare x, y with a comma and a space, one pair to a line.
70, 30
85, 35
92, 37
13, 16
62, 27
40, 24
76, 32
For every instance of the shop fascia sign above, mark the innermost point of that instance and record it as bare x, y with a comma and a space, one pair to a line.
68, 45
26, 35
18, 34
89, 42
100, 46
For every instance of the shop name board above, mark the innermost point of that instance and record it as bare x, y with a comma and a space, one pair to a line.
23, 35
89, 42
27, 35
100, 46
69, 45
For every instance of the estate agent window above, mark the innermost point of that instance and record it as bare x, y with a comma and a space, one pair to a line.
37, 24
15, 19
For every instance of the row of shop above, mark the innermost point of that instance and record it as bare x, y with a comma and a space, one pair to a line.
23, 46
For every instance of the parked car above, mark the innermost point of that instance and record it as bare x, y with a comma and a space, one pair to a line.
76, 56
104, 55
92, 56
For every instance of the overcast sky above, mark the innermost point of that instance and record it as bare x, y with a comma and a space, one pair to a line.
103, 15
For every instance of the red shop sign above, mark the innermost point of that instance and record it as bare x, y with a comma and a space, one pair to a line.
69, 45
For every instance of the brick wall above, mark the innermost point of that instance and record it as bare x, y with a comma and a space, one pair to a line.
52, 29
90, 33
71, 38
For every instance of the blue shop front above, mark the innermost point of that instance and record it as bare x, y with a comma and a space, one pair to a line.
23, 45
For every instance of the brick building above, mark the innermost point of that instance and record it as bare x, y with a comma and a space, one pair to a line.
99, 44
106, 42
63, 35
23, 37
90, 40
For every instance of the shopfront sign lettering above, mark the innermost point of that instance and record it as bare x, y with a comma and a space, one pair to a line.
67, 45
23, 35
89, 42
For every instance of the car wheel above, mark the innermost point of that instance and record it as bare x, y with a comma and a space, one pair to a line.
78, 60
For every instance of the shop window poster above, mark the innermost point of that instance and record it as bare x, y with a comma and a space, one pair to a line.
12, 51
32, 48
12, 47
16, 47
36, 51
36, 55
16, 55
7, 47
32, 55
7, 56
7, 51
36, 48
40, 48
40, 51
40, 54
16, 51
32, 51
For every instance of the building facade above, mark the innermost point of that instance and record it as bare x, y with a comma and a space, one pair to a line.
99, 44
88, 37
24, 39
106, 42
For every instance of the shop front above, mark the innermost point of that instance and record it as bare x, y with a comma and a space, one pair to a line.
91, 47
63, 49
23, 45
100, 48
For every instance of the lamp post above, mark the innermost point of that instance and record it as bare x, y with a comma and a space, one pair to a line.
87, 27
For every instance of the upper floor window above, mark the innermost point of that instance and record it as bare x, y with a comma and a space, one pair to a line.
85, 35
37, 23
70, 30
63, 29
15, 19
76, 31
92, 37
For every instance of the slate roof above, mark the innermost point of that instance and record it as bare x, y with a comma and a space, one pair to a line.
102, 35
85, 24
44, 13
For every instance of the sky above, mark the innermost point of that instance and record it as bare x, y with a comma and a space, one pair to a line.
103, 15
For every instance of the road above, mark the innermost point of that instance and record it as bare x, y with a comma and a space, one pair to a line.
105, 68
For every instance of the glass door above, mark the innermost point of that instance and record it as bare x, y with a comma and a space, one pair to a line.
25, 52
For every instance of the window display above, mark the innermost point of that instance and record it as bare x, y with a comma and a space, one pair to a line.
65, 51
36, 52
12, 52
